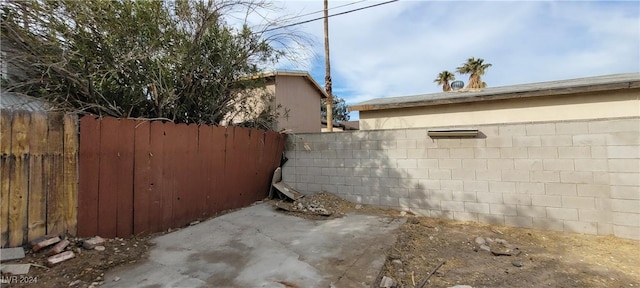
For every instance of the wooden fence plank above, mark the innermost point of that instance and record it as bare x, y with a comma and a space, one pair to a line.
53, 165
5, 164
272, 146
194, 184
89, 174
124, 176
205, 156
142, 198
37, 211
70, 173
214, 162
181, 199
247, 159
108, 187
264, 169
256, 145
19, 179
282, 141
230, 182
156, 143
167, 183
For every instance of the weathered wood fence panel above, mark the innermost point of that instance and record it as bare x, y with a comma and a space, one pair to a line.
38, 171
139, 177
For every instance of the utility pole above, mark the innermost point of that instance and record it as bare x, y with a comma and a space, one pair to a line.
327, 77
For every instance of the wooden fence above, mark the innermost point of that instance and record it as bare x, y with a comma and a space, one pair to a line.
139, 177
38, 175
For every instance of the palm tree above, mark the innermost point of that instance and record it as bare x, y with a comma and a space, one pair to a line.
475, 67
443, 79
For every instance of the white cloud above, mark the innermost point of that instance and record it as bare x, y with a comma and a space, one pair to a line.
398, 49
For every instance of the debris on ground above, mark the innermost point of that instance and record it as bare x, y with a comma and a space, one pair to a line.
281, 190
15, 269
497, 247
58, 248
92, 243
324, 205
64, 256
11, 253
388, 282
548, 258
45, 243
65, 261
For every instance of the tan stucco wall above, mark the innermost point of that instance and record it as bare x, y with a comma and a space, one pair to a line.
302, 101
553, 108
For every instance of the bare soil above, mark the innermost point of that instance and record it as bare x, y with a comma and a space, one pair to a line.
86, 268
545, 258
537, 258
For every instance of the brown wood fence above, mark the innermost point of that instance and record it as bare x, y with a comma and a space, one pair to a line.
38, 175
139, 177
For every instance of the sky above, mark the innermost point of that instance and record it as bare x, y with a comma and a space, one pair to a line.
398, 49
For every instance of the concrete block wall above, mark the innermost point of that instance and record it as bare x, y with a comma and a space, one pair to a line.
577, 176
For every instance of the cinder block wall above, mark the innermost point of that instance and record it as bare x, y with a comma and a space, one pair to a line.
579, 176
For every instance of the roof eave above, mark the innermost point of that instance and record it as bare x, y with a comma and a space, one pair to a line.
502, 96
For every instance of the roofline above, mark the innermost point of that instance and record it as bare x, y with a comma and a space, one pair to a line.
574, 89
304, 74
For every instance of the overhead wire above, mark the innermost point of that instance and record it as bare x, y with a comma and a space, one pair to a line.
332, 15
320, 11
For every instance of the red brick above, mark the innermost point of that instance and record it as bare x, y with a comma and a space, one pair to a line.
42, 238
64, 256
58, 248
45, 243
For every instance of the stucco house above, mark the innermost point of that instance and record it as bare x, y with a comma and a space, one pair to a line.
609, 96
297, 95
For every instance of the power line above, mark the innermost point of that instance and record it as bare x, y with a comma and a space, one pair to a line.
320, 11
337, 14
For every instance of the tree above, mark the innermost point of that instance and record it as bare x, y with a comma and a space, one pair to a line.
339, 107
139, 58
477, 68
443, 79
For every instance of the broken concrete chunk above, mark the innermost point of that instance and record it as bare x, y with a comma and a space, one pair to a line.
15, 269
388, 282
45, 243
92, 243
11, 253
480, 241
64, 256
58, 248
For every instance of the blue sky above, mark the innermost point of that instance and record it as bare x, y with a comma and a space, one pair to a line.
398, 49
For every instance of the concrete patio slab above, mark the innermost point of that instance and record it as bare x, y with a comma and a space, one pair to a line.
259, 247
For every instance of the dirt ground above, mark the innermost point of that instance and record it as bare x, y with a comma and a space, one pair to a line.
517, 257
86, 269
446, 252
